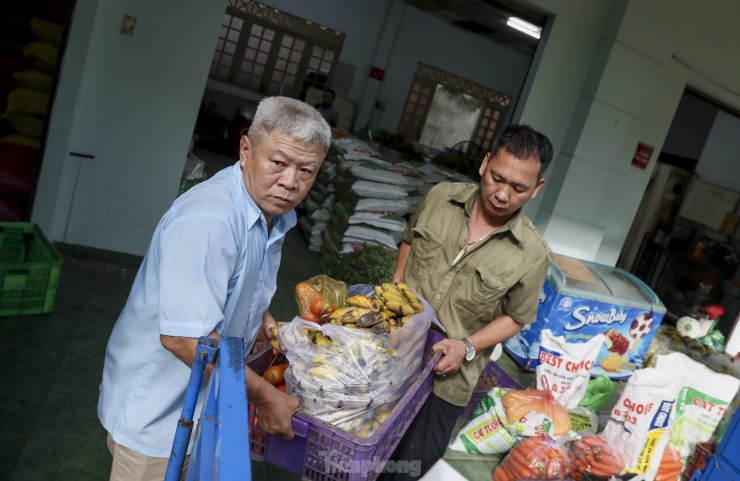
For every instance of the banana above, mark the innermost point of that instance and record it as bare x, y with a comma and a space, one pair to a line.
407, 292
416, 305
404, 320
311, 333
381, 414
389, 296
370, 319
362, 301
388, 287
401, 308
381, 328
273, 331
378, 291
322, 340
338, 313
323, 372
275, 344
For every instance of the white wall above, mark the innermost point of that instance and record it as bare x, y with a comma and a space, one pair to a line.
132, 103
395, 37
630, 94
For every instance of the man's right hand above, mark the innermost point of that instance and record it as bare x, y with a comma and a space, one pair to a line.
276, 412
275, 409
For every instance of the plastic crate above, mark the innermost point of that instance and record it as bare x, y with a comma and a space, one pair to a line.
717, 469
729, 447
29, 270
323, 452
702, 452
491, 377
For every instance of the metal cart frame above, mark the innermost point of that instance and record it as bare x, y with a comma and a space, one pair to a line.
221, 448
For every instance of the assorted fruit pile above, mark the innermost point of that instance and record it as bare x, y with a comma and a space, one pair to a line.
356, 356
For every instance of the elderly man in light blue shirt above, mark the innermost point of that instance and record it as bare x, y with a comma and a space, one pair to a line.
210, 270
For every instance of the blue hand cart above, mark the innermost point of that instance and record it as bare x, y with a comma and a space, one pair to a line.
221, 450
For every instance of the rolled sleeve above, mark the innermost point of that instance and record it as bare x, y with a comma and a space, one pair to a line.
196, 263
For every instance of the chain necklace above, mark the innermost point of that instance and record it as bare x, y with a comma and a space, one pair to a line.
464, 250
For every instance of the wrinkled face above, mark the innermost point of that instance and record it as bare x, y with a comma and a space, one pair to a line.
279, 172
507, 183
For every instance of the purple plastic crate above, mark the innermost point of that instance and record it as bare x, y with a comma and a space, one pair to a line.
491, 377
323, 452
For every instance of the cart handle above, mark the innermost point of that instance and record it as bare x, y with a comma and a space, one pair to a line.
299, 425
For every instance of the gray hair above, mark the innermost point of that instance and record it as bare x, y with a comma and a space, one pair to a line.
291, 117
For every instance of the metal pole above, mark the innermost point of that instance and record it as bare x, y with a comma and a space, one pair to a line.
204, 354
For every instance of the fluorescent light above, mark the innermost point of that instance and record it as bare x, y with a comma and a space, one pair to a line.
523, 26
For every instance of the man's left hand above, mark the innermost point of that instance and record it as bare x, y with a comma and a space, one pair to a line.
453, 354
264, 336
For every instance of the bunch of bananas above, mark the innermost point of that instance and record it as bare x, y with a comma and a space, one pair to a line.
391, 308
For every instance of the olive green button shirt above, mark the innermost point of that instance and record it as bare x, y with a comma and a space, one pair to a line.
502, 274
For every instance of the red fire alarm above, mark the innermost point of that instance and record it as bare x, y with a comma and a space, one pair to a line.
377, 73
642, 155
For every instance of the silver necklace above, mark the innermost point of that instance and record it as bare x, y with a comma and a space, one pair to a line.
464, 250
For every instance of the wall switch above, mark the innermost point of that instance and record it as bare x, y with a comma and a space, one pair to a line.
129, 26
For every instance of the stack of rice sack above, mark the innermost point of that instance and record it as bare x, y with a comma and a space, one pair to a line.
317, 206
372, 198
27, 68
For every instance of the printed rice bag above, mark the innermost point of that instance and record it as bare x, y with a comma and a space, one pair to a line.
485, 432
639, 425
566, 366
700, 404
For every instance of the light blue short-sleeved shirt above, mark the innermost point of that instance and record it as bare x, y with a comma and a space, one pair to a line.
211, 265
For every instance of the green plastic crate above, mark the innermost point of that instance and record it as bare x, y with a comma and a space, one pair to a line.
29, 270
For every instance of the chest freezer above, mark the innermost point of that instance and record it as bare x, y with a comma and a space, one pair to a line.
581, 299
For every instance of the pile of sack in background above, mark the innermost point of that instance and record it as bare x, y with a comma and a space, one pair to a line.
359, 198
29, 61
662, 414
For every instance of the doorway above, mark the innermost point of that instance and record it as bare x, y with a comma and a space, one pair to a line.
685, 242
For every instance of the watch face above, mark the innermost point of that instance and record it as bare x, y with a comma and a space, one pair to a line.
469, 355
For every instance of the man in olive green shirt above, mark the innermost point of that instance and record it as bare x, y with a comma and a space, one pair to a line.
481, 264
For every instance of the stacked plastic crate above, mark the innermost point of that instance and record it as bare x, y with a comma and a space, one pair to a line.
724, 465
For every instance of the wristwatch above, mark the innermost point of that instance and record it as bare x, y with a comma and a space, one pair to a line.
469, 350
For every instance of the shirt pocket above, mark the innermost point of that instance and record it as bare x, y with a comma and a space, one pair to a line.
482, 295
425, 252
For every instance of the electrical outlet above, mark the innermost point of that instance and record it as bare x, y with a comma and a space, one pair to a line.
129, 26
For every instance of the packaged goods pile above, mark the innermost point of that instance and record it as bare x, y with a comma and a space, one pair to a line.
352, 357
552, 432
361, 199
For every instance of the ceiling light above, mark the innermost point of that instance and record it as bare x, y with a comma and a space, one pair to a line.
529, 28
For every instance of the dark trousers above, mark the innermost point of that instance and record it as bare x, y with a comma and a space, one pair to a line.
425, 441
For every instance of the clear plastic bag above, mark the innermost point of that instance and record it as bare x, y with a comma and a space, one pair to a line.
355, 379
535, 413
594, 454
534, 458
319, 296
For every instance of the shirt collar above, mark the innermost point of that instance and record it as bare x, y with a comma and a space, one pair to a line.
466, 199
280, 223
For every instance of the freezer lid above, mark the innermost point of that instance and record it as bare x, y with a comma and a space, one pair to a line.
588, 280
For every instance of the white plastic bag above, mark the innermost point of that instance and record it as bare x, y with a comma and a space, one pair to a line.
565, 367
359, 375
700, 404
639, 424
